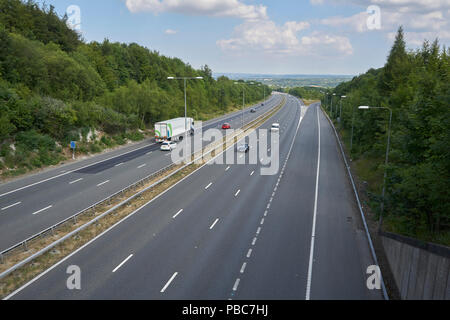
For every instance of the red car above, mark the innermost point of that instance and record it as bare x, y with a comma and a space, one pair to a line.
226, 126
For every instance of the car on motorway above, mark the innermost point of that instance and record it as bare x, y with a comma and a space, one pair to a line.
262, 104
243, 148
226, 126
252, 110
275, 127
168, 146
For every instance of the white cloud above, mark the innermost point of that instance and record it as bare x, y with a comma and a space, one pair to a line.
215, 8
266, 36
420, 18
170, 31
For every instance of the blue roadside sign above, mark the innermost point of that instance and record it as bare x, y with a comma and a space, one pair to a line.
73, 144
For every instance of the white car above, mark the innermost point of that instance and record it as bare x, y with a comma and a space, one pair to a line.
275, 127
168, 146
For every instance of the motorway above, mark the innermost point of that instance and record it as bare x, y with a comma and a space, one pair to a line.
228, 232
34, 203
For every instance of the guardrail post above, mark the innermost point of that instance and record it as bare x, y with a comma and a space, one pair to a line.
53, 231
2, 259
25, 246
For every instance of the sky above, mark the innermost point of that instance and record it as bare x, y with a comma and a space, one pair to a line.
342, 37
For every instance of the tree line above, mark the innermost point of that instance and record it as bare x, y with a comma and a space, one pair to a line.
56, 88
415, 85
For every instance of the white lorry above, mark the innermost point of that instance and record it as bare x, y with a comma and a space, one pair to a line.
173, 129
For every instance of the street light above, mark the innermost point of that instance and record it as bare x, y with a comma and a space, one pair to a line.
386, 160
340, 112
332, 110
243, 98
185, 106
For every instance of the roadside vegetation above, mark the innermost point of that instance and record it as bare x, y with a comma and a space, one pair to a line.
416, 86
56, 88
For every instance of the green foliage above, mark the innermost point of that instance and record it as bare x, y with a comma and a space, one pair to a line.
55, 88
416, 86
307, 93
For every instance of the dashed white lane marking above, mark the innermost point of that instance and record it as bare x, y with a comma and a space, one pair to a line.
215, 222
243, 267
249, 253
176, 215
104, 182
142, 165
254, 241
119, 164
253, 172
228, 168
236, 284
209, 185
258, 231
237, 193
169, 282
262, 221
39, 211
10, 206
122, 263
75, 181
149, 153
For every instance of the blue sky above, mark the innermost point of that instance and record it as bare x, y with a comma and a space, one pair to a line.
267, 36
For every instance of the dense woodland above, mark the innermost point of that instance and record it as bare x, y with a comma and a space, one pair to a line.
415, 85
55, 88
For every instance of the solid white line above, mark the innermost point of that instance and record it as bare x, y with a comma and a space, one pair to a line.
142, 165
212, 226
78, 180
39, 211
209, 185
313, 234
169, 282
236, 284
100, 184
243, 267
249, 253
176, 215
107, 230
228, 168
64, 172
122, 263
253, 172
237, 193
13, 205
119, 164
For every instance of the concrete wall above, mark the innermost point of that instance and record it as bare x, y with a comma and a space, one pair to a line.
421, 270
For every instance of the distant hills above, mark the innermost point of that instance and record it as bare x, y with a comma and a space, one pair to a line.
290, 80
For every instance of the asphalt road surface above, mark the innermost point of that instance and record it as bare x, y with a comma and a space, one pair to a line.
34, 203
229, 232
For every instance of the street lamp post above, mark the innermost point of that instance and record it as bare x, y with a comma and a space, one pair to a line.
340, 112
185, 106
332, 110
243, 99
386, 160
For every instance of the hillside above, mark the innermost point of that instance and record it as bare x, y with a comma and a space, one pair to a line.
55, 88
415, 85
